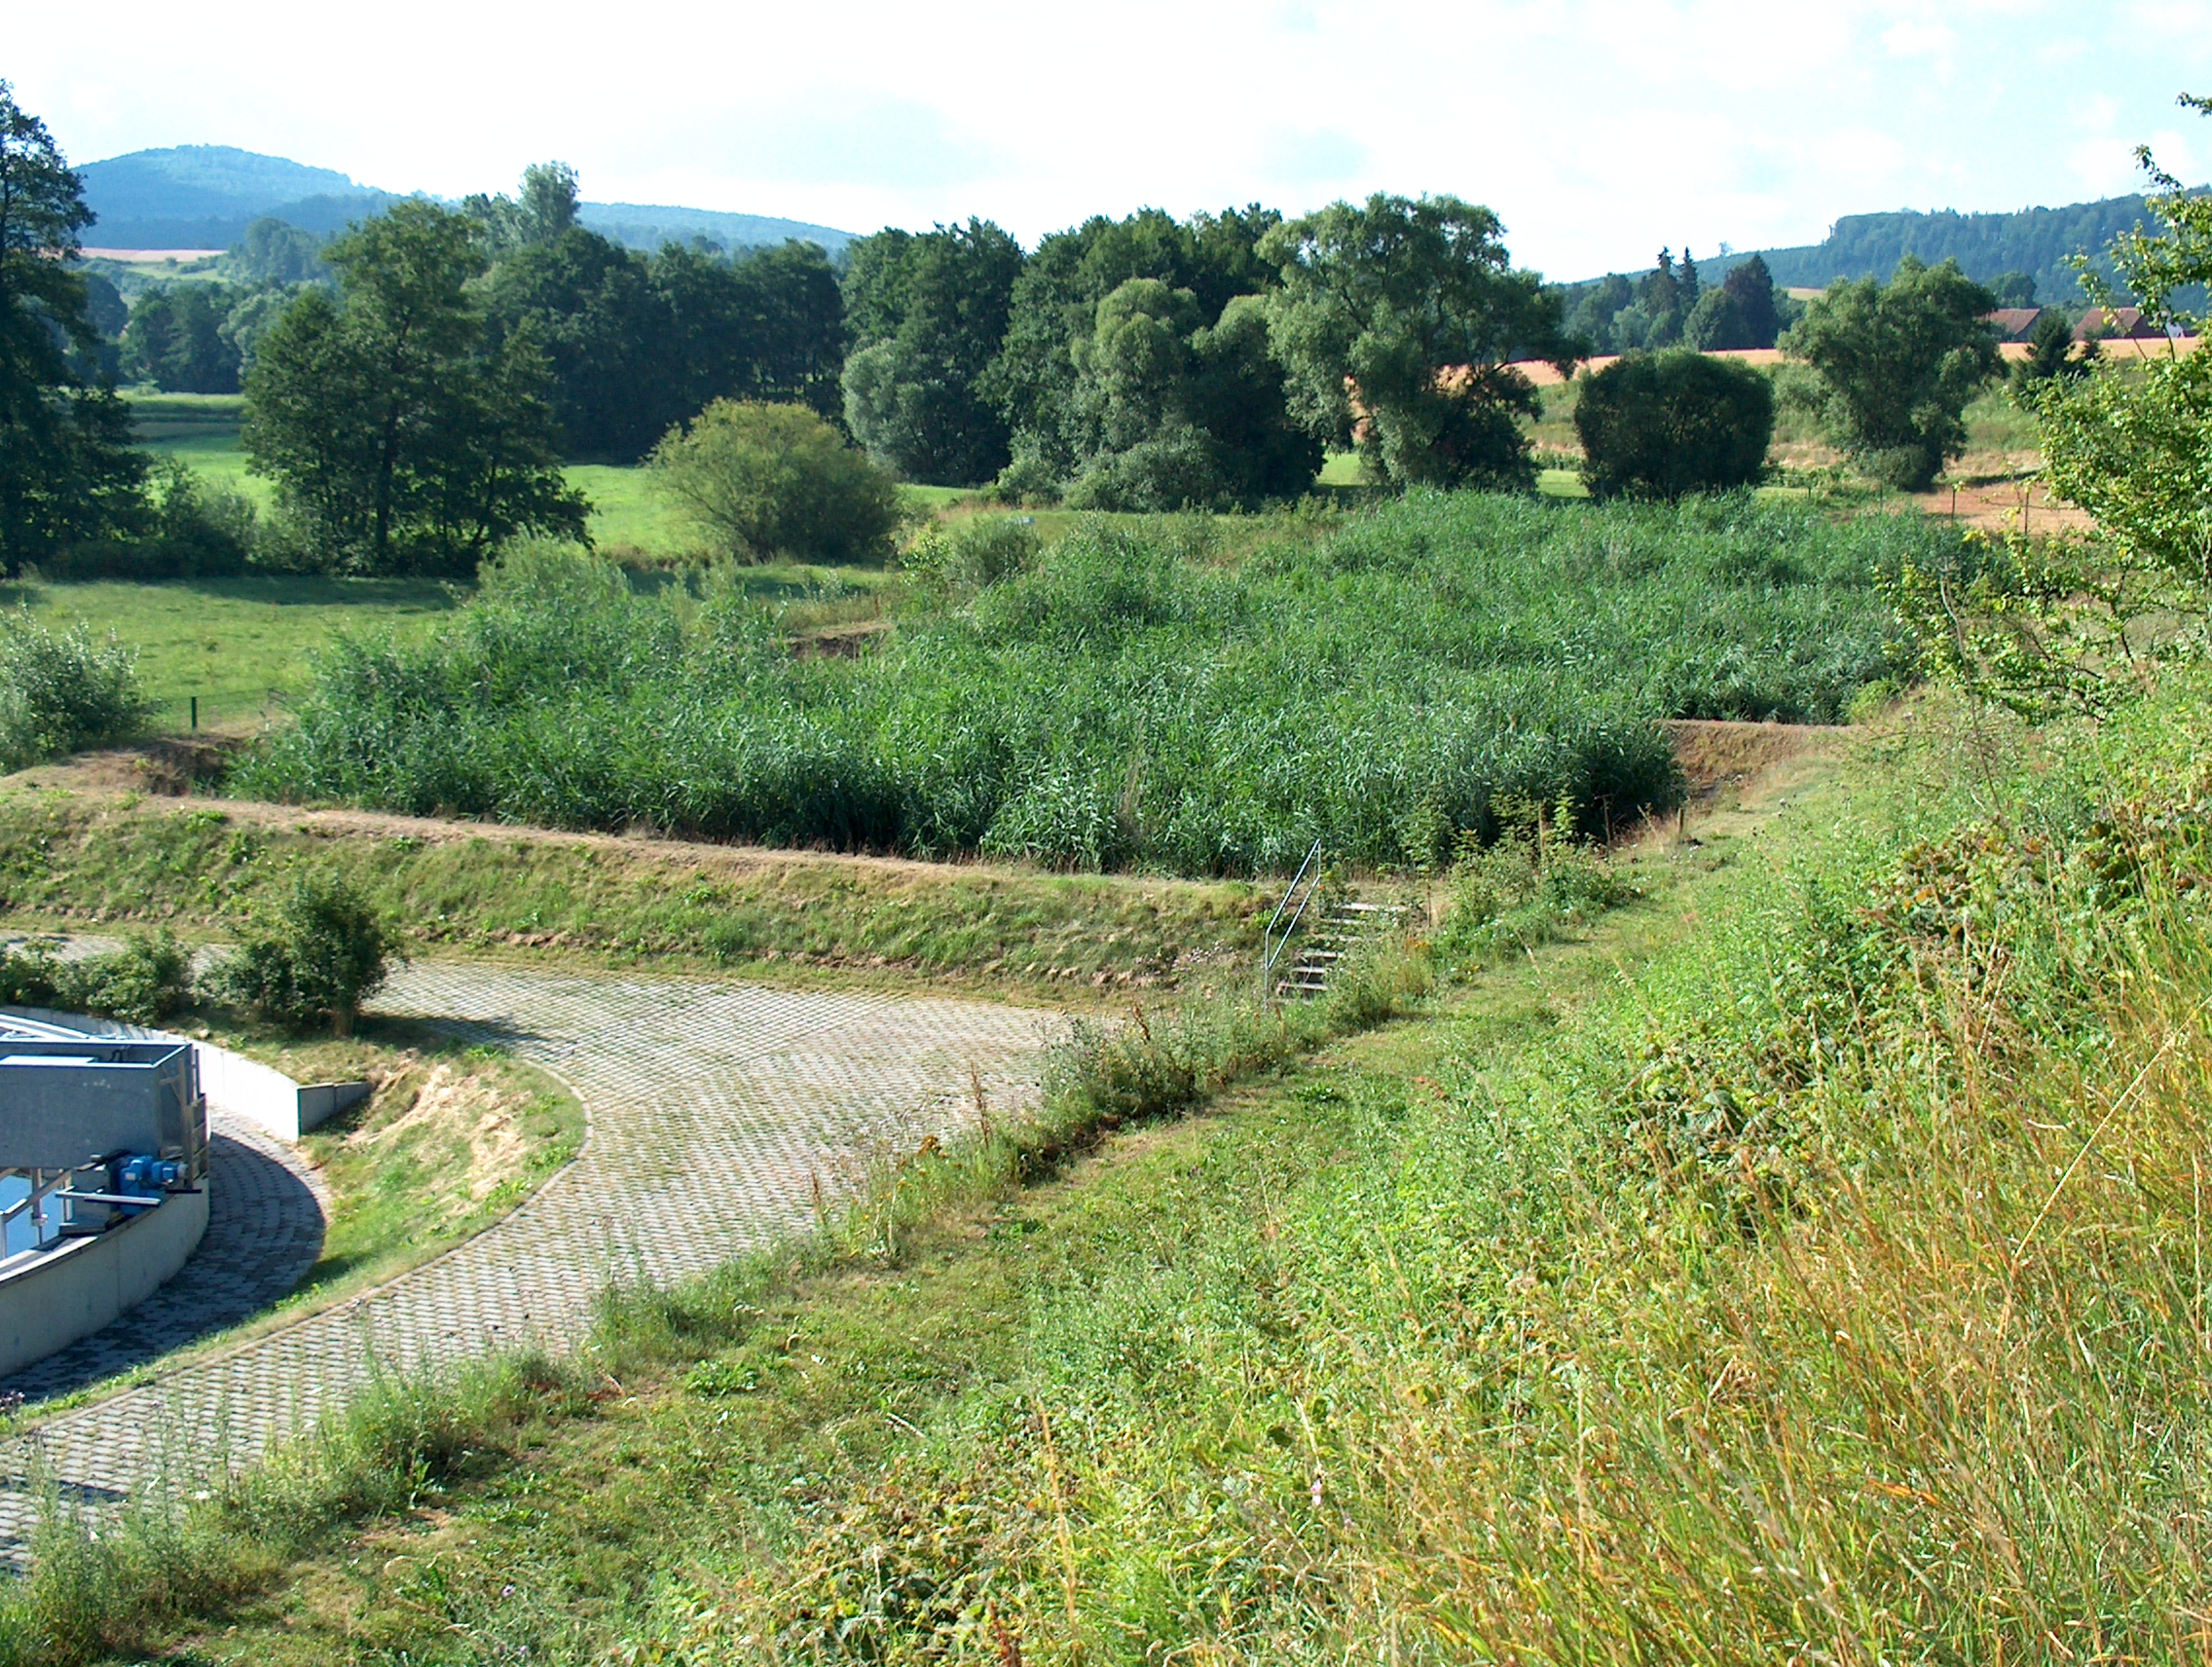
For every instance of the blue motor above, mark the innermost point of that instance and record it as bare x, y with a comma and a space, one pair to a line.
144, 1177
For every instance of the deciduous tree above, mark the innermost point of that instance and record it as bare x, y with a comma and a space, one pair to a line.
1397, 322
1221, 431
404, 443
67, 471
176, 340
1898, 363
927, 314
2133, 445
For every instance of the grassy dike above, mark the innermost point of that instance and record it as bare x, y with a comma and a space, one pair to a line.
776, 1386
1804, 1260
115, 861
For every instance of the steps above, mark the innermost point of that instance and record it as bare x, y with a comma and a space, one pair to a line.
1342, 930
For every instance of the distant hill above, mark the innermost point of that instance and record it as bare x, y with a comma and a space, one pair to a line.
649, 225
2033, 240
204, 196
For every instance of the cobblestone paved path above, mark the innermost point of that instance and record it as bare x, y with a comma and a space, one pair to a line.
717, 1114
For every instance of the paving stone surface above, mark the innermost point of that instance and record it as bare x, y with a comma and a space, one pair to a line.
719, 1116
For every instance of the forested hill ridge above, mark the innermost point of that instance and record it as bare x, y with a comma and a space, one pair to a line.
2040, 242
204, 196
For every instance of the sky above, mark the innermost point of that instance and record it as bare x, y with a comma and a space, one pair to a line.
1597, 130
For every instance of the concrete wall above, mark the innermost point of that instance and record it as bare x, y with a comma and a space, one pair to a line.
52, 1298
232, 1083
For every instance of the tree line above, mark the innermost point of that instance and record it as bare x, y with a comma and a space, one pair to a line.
413, 385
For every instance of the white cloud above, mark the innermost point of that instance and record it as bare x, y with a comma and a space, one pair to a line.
1914, 37
1598, 129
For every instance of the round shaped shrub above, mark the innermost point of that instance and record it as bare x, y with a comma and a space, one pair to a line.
324, 951
776, 480
1667, 425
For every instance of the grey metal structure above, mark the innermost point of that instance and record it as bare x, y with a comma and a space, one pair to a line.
76, 1104
73, 1108
71, 1104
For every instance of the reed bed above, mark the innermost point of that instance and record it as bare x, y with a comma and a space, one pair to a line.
1129, 701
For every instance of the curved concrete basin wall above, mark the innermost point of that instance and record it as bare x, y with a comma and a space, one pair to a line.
52, 1298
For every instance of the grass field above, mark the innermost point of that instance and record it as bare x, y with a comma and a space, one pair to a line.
629, 520
240, 645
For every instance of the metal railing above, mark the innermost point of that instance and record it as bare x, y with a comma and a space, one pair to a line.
43, 1185
1276, 937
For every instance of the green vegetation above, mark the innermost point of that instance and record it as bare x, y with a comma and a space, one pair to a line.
2089, 624
1897, 364
1672, 306
320, 952
64, 690
143, 982
1130, 703
1569, 1320
1668, 425
401, 441
453, 1138
759, 482
78, 861
67, 472
242, 644
926, 315
1134, 373
1394, 325
635, 344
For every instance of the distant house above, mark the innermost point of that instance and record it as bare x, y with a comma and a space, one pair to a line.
2015, 324
2116, 324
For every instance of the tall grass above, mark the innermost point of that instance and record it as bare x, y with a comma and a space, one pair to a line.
1128, 702
62, 690
1838, 1294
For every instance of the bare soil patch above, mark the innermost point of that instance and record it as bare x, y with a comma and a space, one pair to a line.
1723, 758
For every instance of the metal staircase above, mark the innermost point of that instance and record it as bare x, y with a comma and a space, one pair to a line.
1341, 932
1335, 931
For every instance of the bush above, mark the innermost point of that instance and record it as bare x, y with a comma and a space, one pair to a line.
1523, 892
1666, 425
1179, 469
195, 531
960, 558
61, 692
325, 950
142, 982
776, 480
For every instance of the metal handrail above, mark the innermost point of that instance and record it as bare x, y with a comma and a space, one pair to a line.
1272, 946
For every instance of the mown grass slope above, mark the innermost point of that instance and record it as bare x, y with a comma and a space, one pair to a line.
202, 867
